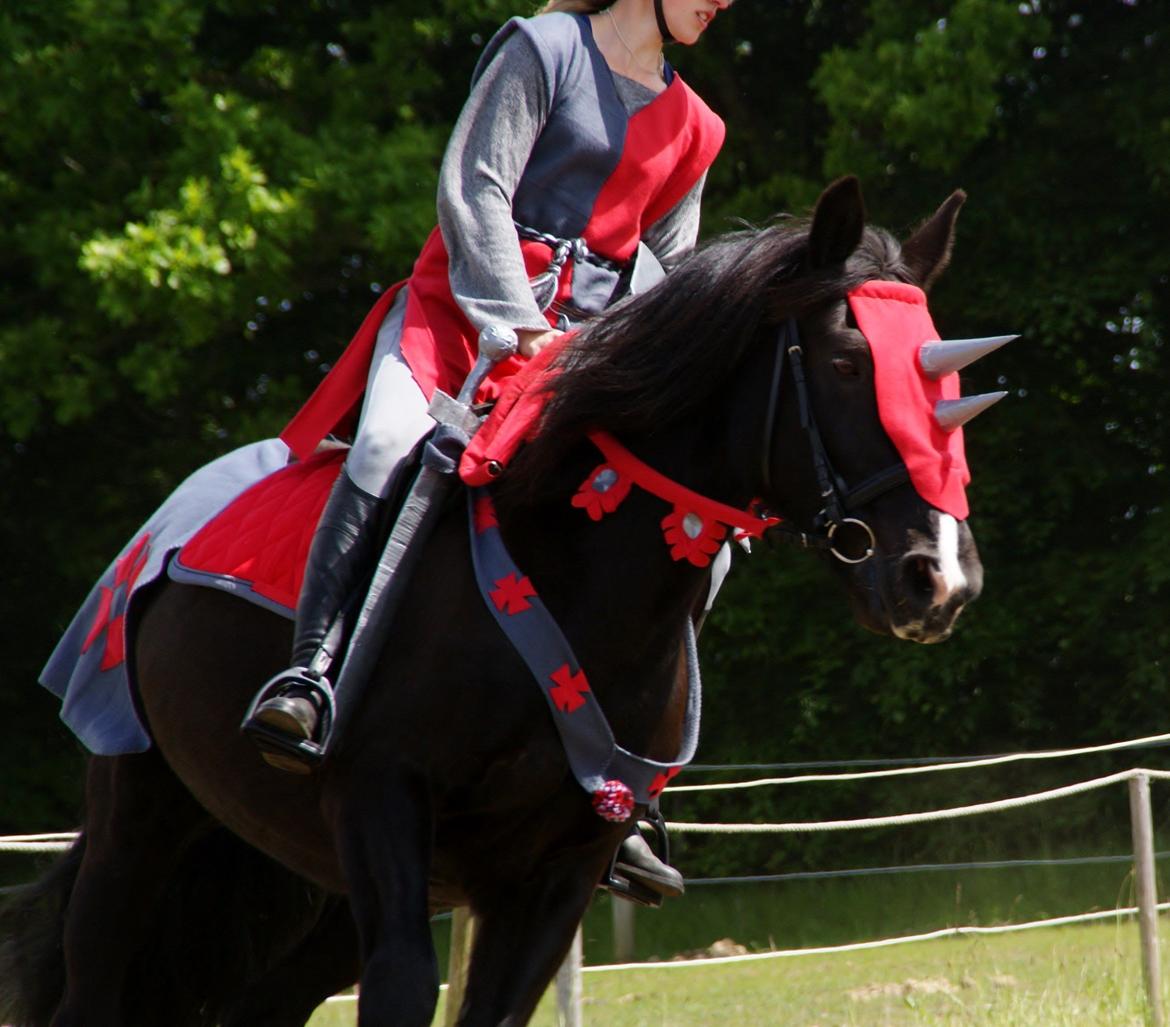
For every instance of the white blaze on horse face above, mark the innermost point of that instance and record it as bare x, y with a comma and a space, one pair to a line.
950, 569
934, 564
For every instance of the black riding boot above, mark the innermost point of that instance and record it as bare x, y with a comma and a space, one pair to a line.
290, 722
641, 872
637, 861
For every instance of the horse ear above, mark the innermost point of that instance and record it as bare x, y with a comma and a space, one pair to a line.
927, 252
837, 224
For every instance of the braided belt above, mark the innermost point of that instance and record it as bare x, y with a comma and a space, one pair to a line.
564, 248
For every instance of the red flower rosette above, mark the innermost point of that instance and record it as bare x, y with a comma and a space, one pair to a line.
691, 537
614, 802
602, 492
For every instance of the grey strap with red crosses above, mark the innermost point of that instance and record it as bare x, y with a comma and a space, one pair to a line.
616, 778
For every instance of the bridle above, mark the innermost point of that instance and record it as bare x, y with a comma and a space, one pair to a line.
833, 526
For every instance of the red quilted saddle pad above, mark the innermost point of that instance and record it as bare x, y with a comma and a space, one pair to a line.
261, 539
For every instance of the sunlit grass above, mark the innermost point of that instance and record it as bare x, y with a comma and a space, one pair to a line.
1058, 977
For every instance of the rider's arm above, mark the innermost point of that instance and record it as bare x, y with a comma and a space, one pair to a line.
481, 171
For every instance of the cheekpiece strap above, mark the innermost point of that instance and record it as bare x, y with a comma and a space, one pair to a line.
616, 779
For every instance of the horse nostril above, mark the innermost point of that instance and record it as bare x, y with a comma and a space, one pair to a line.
922, 575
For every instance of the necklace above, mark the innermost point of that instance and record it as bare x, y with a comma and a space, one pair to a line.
661, 63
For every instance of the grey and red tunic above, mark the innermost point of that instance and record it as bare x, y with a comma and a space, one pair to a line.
596, 174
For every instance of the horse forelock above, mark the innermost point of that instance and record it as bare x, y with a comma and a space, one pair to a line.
657, 358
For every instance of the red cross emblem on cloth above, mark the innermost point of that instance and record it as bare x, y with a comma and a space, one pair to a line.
512, 593
106, 622
569, 690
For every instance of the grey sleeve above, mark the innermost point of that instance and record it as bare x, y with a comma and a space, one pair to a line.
485, 159
674, 234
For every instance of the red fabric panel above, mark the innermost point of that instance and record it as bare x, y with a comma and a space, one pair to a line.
669, 144
333, 405
438, 341
262, 537
894, 320
514, 419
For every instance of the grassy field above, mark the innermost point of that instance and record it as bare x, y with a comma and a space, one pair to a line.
1087, 976
1082, 976
809, 913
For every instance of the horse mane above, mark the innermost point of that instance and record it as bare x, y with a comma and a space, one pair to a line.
656, 358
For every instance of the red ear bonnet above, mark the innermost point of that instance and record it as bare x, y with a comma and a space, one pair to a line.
895, 322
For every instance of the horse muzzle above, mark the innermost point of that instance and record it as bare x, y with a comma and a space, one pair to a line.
934, 582
917, 595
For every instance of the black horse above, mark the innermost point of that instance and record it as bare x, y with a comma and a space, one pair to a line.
452, 787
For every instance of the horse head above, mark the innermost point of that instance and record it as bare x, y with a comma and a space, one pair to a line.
867, 449
797, 364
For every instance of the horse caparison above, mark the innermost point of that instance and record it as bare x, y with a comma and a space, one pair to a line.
209, 888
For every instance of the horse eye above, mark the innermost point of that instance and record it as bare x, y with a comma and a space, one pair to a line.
845, 367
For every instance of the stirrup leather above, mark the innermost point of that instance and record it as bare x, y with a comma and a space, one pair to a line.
308, 751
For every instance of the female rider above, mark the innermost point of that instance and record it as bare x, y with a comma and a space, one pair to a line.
579, 154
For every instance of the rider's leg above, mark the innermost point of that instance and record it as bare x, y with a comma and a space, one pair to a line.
393, 420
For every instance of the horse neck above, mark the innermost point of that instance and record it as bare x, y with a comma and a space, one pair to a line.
612, 586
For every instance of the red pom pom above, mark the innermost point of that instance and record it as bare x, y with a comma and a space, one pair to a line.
614, 802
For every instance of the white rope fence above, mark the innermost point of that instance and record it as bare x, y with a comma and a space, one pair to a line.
53, 841
881, 943
930, 768
1138, 779
920, 818
60, 840
857, 946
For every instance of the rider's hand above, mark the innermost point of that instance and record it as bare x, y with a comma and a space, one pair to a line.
532, 342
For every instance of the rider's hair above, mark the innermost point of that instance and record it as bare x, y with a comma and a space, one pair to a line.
584, 6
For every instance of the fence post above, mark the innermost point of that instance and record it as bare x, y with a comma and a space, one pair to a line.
1147, 892
569, 988
462, 936
623, 929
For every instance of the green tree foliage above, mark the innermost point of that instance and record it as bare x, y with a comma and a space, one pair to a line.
198, 204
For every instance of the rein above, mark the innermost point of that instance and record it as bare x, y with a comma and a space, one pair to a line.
837, 497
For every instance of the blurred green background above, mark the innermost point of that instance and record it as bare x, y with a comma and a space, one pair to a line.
200, 200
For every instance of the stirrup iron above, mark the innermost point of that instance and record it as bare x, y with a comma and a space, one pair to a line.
306, 752
625, 887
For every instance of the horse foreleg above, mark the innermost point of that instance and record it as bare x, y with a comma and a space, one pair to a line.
521, 939
383, 826
325, 962
138, 820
